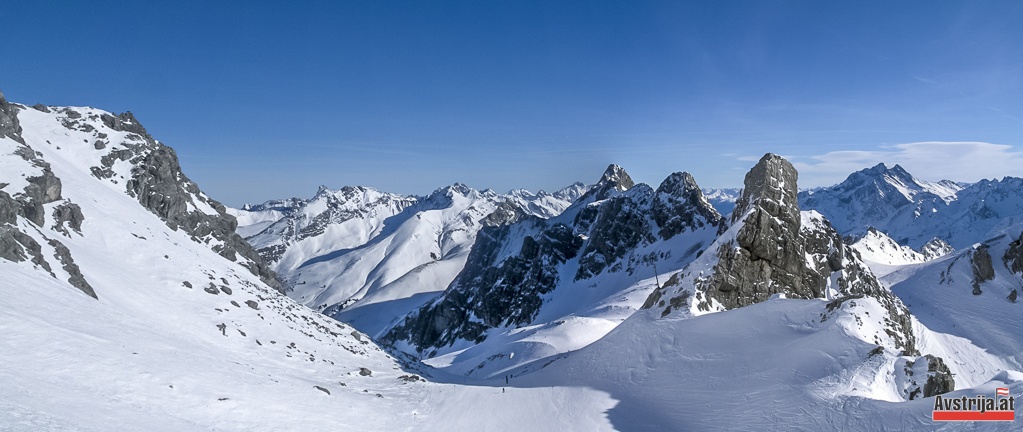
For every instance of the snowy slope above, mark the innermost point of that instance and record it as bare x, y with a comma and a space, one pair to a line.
126, 306
181, 338
770, 366
368, 257
941, 294
541, 288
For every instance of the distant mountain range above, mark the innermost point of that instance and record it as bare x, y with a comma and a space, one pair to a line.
132, 300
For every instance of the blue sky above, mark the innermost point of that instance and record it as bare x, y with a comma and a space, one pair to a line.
271, 99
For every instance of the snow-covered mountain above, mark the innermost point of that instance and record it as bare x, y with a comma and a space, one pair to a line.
131, 302
722, 199
914, 212
369, 257
541, 287
779, 325
888, 199
884, 255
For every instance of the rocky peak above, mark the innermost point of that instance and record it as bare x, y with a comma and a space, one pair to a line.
459, 189
679, 205
614, 179
770, 255
679, 184
770, 186
1013, 258
9, 126
125, 122
615, 174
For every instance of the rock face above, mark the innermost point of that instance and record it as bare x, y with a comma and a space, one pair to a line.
983, 270
936, 248
75, 277
772, 248
769, 257
927, 376
518, 261
679, 205
614, 179
160, 186
1013, 257
150, 173
939, 378
9, 126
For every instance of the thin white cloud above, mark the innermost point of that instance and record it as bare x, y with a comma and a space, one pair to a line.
934, 160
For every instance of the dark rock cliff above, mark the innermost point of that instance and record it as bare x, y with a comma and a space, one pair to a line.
610, 224
774, 253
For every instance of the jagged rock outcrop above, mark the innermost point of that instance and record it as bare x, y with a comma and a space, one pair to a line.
9, 125
75, 277
936, 248
768, 255
1013, 257
514, 265
66, 215
615, 228
775, 249
158, 183
925, 377
614, 179
679, 205
983, 269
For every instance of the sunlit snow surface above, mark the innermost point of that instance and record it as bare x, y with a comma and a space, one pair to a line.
150, 355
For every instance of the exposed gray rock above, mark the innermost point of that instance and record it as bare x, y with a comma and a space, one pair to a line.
983, 270
365, 372
617, 228
773, 252
322, 389
160, 186
41, 107
125, 122
770, 257
611, 222
8, 209
1013, 257
1013, 295
939, 378
42, 189
936, 248
252, 304
506, 213
69, 214
679, 206
75, 278
9, 125
14, 245
614, 179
